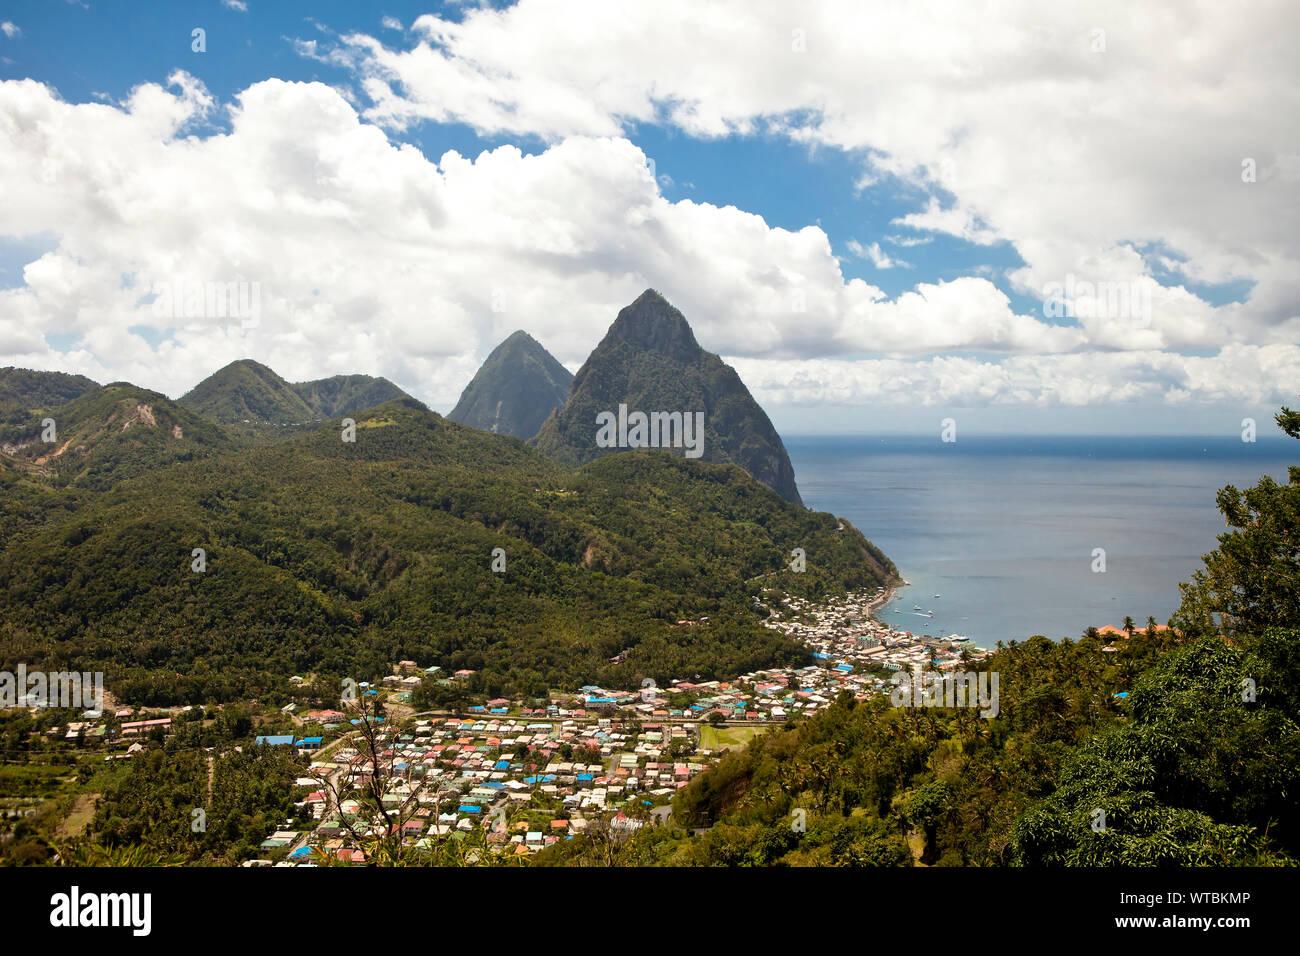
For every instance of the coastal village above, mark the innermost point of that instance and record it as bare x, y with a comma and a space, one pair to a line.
532, 773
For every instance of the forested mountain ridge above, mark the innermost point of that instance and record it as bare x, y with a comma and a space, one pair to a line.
515, 389
329, 555
248, 392
649, 361
346, 394
37, 390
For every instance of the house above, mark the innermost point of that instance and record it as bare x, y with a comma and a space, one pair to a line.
144, 726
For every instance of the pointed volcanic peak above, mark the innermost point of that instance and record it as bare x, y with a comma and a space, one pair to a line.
650, 363
247, 391
518, 385
111, 434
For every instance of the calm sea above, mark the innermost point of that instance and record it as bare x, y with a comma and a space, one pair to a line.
1002, 529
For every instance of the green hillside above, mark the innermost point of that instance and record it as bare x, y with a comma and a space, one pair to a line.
27, 396
247, 391
114, 433
333, 556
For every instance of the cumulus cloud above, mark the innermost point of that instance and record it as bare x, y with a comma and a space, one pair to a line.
369, 256
1019, 124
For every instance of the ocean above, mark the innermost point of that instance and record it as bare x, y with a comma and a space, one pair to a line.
1003, 529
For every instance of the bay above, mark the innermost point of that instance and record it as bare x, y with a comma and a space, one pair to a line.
1003, 528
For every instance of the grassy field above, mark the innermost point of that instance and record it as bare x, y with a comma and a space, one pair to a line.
734, 738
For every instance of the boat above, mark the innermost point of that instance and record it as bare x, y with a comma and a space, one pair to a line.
916, 607
936, 595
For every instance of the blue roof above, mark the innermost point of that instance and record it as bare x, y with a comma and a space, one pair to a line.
278, 740
310, 740
468, 809
586, 776
844, 667
823, 657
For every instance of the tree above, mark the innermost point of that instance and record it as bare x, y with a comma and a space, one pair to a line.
1252, 580
1202, 773
377, 828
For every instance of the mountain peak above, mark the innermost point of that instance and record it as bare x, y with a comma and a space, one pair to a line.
518, 385
649, 361
652, 323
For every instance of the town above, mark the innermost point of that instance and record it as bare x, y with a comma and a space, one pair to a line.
523, 775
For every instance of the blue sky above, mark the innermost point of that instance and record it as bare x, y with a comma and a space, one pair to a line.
915, 199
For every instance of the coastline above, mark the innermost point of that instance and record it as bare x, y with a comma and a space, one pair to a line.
882, 599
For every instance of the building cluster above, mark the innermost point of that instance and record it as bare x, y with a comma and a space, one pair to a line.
527, 782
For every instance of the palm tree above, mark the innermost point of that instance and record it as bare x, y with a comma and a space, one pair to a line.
1129, 626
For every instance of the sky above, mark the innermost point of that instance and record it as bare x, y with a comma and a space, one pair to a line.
1025, 217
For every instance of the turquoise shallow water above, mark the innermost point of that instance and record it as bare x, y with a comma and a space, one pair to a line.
1003, 528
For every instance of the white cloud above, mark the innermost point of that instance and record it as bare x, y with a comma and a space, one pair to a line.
873, 252
9, 29
1022, 133
1241, 375
391, 23
239, 5
369, 256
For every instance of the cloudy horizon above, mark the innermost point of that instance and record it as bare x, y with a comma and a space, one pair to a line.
1040, 220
